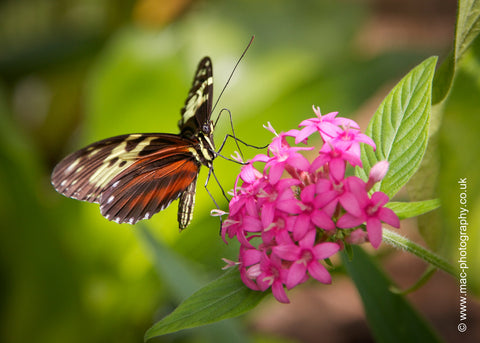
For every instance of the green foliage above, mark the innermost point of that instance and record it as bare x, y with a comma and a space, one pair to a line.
182, 278
458, 159
400, 129
466, 31
69, 275
225, 297
414, 208
391, 317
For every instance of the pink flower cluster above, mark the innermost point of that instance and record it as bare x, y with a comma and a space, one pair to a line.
295, 213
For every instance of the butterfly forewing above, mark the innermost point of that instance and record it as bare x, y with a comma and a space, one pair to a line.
198, 105
135, 176
84, 174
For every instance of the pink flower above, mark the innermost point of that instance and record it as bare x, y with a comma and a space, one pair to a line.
281, 222
311, 215
283, 156
243, 218
373, 213
331, 192
278, 197
249, 261
327, 125
349, 139
272, 275
336, 157
294, 221
240, 226
305, 257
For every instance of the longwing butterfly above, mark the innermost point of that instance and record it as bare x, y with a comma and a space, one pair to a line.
134, 176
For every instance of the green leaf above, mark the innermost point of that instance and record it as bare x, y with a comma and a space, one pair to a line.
182, 279
468, 25
467, 29
422, 280
442, 82
225, 297
391, 317
400, 129
413, 209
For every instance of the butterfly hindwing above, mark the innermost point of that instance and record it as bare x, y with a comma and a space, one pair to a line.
149, 185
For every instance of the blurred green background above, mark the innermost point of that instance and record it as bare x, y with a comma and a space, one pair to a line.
76, 71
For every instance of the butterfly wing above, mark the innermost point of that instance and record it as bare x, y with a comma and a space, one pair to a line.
198, 106
135, 176
132, 177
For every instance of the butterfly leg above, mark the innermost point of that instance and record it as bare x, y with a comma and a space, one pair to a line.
212, 172
233, 135
239, 140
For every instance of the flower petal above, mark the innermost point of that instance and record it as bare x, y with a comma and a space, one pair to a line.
337, 168
319, 272
247, 281
250, 257
350, 204
374, 230
287, 252
305, 132
302, 225
276, 171
295, 275
380, 198
298, 161
320, 219
388, 216
308, 194
324, 250
347, 221
279, 292
268, 213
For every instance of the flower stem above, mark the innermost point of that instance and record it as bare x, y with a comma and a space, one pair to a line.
401, 242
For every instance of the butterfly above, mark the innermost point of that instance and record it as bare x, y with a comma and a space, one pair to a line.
134, 176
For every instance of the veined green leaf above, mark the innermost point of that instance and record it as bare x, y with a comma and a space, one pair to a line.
400, 129
223, 298
412, 209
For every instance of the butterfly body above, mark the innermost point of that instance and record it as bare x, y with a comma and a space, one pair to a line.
134, 176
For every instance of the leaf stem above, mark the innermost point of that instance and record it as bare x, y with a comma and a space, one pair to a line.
404, 243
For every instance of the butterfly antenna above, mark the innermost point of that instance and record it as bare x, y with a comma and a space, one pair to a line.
230, 77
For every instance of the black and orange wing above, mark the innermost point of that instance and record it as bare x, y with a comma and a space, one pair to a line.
132, 177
